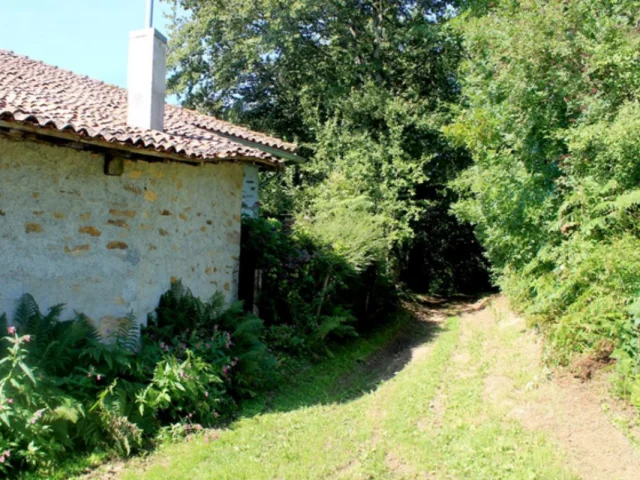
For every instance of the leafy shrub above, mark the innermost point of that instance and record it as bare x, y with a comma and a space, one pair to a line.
32, 410
227, 337
285, 338
53, 372
309, 288
347, 221
551, 117
183, 390
64, 389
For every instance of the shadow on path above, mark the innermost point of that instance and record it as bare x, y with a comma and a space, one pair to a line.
424, 320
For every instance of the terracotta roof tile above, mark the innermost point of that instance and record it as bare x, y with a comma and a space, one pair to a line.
50, 97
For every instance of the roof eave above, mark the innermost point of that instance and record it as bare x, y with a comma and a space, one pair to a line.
132, 149
276, 152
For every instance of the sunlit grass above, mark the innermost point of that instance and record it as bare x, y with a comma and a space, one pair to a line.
392, 432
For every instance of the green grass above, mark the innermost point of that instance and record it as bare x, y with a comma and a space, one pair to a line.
307, 383
315, 430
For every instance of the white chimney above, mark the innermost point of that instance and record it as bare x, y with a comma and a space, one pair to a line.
146, 77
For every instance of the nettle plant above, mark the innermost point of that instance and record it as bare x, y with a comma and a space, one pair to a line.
52, 373
226, 336
30, 409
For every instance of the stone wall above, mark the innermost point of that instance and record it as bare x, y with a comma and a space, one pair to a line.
110, 245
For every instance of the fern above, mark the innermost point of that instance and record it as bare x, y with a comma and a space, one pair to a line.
177, 311
127, 335
56, 345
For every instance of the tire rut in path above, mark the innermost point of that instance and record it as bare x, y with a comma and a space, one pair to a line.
566, 410
413, 341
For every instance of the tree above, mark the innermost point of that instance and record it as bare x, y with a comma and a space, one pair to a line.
363, 85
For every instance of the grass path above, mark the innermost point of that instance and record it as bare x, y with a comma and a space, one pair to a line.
452, 393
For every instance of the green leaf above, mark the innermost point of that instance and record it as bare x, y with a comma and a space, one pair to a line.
27, 372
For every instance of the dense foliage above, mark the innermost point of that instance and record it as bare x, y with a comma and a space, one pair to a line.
364, 87
309, 293
538, 103
423, 122
64, 389
551, 115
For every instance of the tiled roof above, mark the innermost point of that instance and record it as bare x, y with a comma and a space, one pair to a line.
42, 95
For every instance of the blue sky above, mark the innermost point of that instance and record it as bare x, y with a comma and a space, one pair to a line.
86, 36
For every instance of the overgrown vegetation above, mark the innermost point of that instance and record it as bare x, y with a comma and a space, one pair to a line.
364, 87
313, 291
64, 389
421, 118
551, 115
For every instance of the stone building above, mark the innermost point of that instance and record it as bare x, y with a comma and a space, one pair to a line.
107, 194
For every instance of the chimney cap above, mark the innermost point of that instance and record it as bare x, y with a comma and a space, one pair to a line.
143, 32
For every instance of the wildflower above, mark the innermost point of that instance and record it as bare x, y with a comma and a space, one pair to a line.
9, 401
225, 370
7, 453
27, 338
2, 459
11, 330
206, 394
98, 377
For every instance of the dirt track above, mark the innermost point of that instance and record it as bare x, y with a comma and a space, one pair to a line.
578, 416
